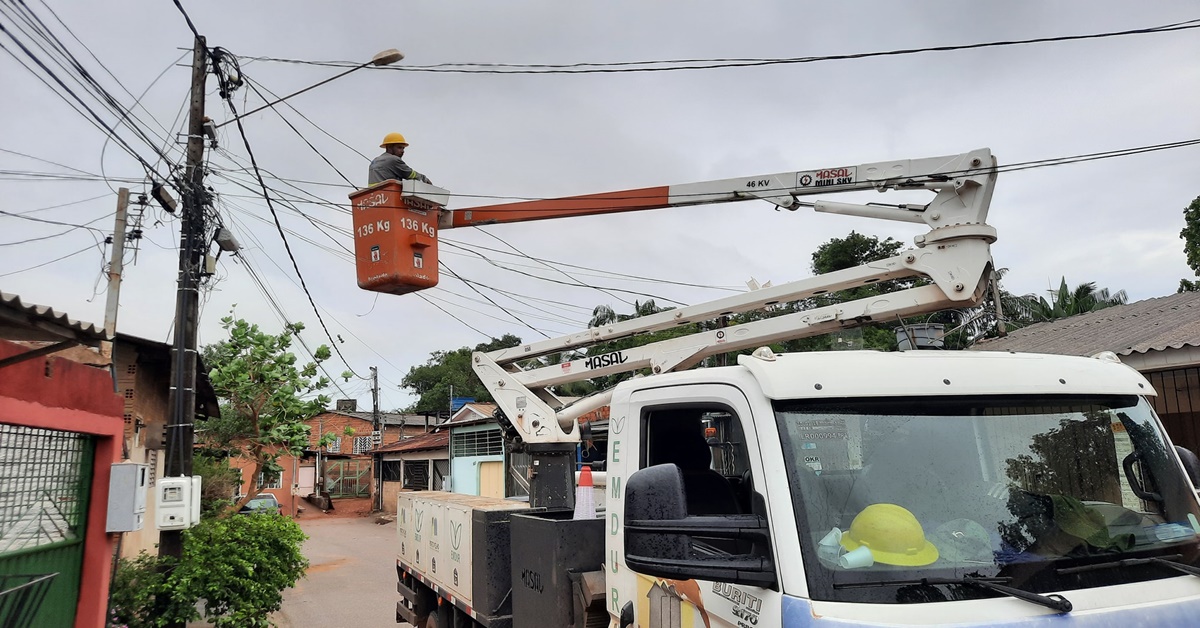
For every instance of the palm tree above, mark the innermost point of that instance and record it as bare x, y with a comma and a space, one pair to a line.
1064, 302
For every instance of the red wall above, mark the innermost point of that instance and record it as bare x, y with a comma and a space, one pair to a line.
59, 394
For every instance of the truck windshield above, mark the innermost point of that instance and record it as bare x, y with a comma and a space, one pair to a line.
894, 495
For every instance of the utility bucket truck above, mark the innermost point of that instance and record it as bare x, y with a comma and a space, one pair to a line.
852, 488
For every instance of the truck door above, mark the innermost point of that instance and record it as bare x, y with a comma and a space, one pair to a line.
706, 430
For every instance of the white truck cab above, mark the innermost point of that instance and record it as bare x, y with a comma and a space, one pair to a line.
987, 489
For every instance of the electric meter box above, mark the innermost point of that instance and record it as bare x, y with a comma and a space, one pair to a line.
127, 496
395, 235
177, 501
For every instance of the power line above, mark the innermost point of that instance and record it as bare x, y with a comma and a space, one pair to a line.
78, 103
58, 259
46, 161
305, 139
69, 63
473, 328
669, 65
54, 235
287, 247
305, 118
79, 202
533, 276
501, 307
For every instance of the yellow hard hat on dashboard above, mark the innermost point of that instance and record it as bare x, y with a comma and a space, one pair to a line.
893, 535
393, 138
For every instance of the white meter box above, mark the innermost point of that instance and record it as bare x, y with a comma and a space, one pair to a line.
177, 502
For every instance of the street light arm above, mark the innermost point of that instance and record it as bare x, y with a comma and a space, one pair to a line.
279, 100
387, 57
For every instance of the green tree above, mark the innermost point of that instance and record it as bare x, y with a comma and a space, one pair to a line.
268, 396
1064, 302
1191, 244
605, 315
446, 370
837, 254
219, 482
237, 566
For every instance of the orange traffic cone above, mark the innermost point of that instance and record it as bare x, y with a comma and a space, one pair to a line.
585, 498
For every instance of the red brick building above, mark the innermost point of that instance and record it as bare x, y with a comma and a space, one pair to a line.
343, 468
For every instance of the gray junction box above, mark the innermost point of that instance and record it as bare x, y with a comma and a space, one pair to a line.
127, 487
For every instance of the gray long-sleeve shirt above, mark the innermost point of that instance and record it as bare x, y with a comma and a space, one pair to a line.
388, 166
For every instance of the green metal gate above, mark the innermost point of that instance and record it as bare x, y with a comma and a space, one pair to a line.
348, 478
45, 481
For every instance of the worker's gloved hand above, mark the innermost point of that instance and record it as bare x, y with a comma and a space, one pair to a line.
426, 179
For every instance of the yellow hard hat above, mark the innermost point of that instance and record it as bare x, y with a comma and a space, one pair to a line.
893, 535
393, 138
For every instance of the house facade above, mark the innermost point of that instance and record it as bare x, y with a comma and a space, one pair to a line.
419, 463
60, 433
1159, 337
342, 469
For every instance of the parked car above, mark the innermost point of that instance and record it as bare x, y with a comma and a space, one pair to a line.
262, 503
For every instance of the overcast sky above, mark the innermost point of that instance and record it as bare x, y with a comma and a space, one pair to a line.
1114, 222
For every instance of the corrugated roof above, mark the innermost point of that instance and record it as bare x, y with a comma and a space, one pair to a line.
1157, 324
26, 321
436, 440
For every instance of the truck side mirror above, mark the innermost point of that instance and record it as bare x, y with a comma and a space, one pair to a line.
1191, 464
662, 540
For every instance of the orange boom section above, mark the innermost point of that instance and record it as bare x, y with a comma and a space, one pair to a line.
586, 205
395, 239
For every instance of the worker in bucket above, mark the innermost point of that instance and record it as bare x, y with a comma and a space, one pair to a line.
390, 165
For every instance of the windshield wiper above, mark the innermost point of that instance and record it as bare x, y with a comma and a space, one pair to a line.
1165, 561
1053, 601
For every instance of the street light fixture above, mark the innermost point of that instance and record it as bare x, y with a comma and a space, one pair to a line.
386, 57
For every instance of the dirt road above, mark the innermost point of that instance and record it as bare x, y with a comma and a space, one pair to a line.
351, 579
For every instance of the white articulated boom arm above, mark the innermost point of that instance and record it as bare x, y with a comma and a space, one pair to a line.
955, 255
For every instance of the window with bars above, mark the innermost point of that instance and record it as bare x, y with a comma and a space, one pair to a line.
361, 444
270, 479
391, 471
44, 479
335, 445
416, 475
481, 443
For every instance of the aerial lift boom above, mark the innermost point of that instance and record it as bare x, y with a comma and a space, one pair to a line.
954, 255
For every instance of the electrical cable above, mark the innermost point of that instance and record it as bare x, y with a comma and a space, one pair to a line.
91, 115
718, 63
53, 222
279, 227
502, 308
79, 202
553, 268
301, 136
553, 318
55, 235
58, 259
70, 64
600, 270
314, 124
533, 276
468, 325
47, 161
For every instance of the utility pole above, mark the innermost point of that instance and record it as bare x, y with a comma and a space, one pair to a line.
115, 267
182, 400
377, 423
